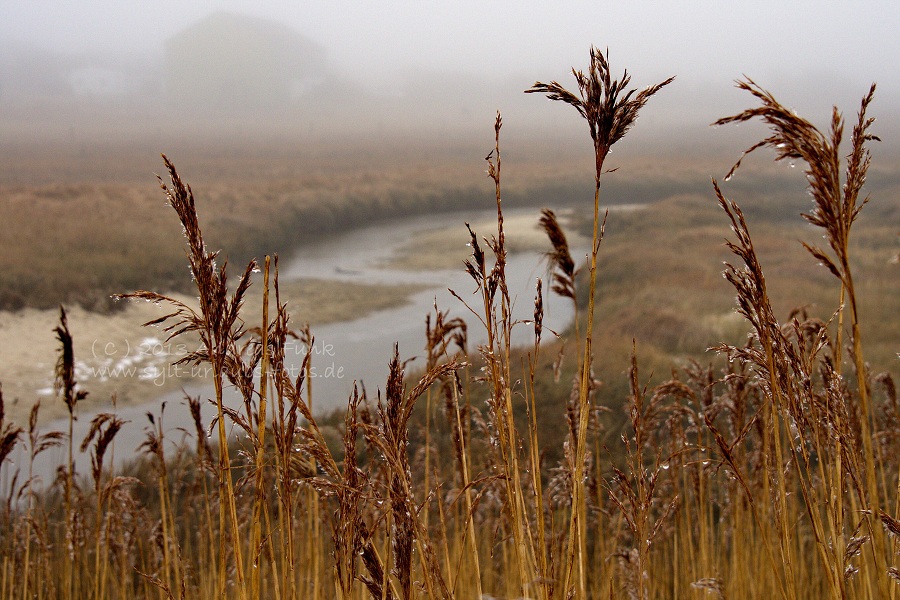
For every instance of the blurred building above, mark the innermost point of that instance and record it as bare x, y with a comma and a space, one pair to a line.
237, 63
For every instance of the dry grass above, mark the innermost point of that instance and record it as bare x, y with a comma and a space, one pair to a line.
109, 236
770, 473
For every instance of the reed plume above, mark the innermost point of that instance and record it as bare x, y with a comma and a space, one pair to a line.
219, 327
836, 206
66, 385
610, 109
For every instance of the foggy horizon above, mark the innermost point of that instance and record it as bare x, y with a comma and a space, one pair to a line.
235, 72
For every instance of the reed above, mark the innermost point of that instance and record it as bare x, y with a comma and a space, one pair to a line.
835, 429
610, 109
66, 384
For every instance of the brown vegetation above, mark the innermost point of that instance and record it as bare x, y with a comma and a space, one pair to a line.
772, 473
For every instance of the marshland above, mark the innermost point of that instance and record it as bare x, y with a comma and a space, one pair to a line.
425, 348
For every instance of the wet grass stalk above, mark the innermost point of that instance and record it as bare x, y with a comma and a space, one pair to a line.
610, 110
260, 503
66, 385
754, 305
204, 464
284, 427
836, 206
534, 449
564, 275
154, 446
445, 339
219, 328
635, 491
463, 459
9, 438
104, 427
390, 438
315, 514
495, 315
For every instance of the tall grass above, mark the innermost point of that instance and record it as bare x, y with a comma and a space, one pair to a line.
768, 473
610, 109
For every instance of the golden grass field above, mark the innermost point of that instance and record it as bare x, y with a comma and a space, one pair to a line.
624, 460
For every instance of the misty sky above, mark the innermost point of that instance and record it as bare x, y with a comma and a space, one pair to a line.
764, 37
812, 53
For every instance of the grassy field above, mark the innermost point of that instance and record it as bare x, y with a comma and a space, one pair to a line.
103, 209
659, 270
623, 460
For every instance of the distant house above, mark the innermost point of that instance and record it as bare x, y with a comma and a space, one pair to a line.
240, 63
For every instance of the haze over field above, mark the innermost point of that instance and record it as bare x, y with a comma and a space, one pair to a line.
77, 73
590, 420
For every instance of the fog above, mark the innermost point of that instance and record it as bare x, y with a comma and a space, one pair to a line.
100, 71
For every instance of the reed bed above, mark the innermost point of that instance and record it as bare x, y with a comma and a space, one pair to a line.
770, 473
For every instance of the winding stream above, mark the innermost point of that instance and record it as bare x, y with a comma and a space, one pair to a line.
358, 349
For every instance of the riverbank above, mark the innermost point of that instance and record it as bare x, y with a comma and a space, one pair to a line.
111, 230
378, 281
349, 287
115, 355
